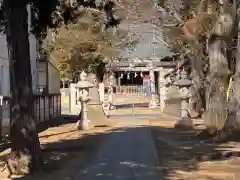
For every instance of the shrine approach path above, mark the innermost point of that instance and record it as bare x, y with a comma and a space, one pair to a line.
126, 153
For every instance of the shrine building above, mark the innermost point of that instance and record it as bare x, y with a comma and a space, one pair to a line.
132, 71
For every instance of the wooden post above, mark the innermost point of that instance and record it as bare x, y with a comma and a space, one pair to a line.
153, 102
162, 89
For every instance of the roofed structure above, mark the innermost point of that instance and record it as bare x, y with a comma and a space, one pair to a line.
142, 64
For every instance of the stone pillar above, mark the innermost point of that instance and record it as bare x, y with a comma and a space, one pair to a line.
119, 81
111, 85
74, 104
101, 92
162, 89
153, 103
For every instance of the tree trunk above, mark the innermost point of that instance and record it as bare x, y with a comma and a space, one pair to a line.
236, 87
25, 154
219, 73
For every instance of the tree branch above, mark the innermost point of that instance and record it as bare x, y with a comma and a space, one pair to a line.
171, 12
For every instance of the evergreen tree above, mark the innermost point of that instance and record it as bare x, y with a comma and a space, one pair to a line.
25, 156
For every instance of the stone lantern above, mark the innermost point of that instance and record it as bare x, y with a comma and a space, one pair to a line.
184, 84
83, 87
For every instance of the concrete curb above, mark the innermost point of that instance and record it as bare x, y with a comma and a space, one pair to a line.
155, 153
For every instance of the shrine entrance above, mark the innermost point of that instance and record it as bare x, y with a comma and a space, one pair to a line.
137, 86
133, 94
134, 84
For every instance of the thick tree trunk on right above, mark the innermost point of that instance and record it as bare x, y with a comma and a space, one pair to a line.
236, 103
25, 154
219, 72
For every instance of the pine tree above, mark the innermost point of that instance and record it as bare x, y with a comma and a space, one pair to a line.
25, 156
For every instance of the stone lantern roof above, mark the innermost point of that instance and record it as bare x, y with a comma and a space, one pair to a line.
84, 83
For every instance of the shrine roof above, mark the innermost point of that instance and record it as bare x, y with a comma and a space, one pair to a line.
121, 64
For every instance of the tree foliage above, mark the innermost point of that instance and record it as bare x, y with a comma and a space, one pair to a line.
25, 156
84, 42
205, 31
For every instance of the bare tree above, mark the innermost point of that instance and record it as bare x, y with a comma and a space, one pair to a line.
203, 31
219, 69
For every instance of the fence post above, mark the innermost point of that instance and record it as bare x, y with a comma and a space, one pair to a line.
39, 109
44, 112
52, 107
53, 99
59, 104
1, 116
49, 108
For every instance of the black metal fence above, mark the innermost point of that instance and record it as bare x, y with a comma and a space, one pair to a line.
46, 108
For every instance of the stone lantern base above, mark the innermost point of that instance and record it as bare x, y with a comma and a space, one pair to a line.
84, 125
184, 123
111, 107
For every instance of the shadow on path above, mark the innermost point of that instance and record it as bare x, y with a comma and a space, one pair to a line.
183, 153
64, 119
129, 153
130, 105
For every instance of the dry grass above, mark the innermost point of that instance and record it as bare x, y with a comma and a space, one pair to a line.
65, 151
178, 153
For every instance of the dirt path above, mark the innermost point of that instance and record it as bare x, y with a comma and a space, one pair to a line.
179, 153
127, 153
65, 151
